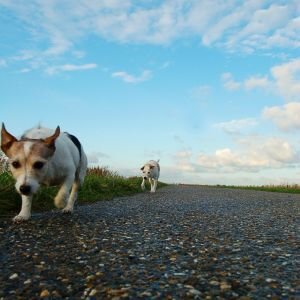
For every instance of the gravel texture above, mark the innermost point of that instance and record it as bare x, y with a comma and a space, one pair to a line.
183, 242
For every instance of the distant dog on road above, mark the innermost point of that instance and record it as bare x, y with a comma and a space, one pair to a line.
151, 172
45, 156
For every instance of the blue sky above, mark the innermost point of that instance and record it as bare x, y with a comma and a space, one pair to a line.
209, 87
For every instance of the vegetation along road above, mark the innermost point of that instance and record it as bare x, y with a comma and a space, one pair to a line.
184, 242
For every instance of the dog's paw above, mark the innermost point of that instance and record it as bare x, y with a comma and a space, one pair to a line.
67, 210
21, 218
59, 202
143, 187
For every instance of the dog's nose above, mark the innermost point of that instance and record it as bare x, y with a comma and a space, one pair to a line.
145, 177
25, 189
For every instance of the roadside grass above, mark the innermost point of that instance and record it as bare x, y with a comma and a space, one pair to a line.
100, 184
284, 188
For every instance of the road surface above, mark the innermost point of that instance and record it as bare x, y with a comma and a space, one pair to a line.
184, 242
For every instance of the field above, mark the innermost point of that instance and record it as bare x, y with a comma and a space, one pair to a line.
283, 188
99, 184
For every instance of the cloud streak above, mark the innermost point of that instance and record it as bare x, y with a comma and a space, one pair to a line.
69, 68
129, 78
236, 126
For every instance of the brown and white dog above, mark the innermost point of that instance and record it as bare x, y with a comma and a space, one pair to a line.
151, 172
45, 156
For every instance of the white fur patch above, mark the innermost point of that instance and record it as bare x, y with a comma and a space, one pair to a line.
27, 148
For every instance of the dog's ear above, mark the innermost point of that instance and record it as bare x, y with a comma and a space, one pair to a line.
6, 139
142, 168
50, 140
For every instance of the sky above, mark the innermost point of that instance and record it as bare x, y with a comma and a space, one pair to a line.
209, 87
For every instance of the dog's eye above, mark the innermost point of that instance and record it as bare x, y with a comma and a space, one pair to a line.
16, 164
38, 165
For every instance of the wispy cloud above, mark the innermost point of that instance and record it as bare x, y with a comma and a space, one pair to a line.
237, 126
129, 78
69, 68
232, 25
229, 83
253, 82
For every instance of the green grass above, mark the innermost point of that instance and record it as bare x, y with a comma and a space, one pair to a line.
292, 189
100, 184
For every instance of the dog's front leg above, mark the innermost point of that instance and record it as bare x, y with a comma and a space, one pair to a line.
143, 184
25, 212
63, 193
154, 185
151, 184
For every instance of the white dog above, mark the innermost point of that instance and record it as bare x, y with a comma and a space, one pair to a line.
151, 172
45, 156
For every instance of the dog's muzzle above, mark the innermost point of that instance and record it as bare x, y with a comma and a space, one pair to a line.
145, 178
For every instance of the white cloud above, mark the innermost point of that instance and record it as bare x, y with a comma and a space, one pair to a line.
236, 126
144, 76
69, 68
252, 154
256, 156
286, 117
235, 25
287, 80
261, 25
284, 80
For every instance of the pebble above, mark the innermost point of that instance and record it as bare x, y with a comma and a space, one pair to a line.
28, 281
224, 286
93, 292
194, 292
14, 276
44, 294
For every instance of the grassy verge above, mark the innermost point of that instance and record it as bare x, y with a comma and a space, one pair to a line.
292, 189
99, 184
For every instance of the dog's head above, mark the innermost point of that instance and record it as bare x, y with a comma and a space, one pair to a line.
147, 170
28, 159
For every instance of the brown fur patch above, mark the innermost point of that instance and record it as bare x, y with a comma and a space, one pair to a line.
15, 150
39, 149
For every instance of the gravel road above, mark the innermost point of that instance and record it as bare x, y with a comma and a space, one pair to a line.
184, 242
